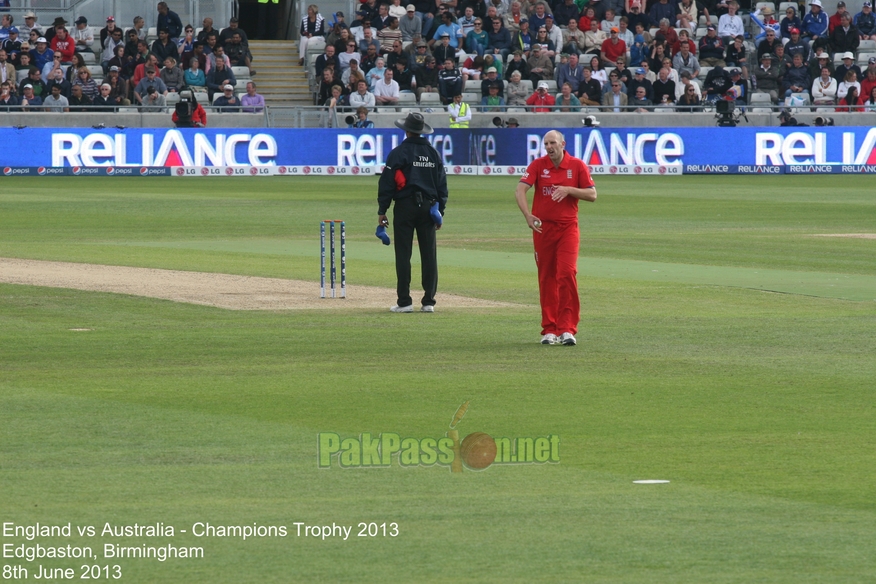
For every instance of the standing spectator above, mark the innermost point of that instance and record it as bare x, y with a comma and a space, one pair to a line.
554, 222
227, 102
386, 91
541, 100
170, 21
460, 112
865, 22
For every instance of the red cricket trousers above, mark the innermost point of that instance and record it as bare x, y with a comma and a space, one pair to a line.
556, 255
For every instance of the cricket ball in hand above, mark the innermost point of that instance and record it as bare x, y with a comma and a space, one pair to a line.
478, 450
536, 224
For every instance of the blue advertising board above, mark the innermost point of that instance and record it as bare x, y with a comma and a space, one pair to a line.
697, 150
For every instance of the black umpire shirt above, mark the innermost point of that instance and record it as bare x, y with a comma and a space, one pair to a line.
423, 170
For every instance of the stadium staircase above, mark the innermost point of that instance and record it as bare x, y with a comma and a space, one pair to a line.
279, 78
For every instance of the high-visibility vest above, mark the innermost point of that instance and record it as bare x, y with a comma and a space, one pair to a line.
463, 109
266, 1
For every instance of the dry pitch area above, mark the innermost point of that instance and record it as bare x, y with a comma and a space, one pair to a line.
220, 290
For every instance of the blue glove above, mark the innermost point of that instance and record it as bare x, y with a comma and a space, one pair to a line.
436, 214
382, 235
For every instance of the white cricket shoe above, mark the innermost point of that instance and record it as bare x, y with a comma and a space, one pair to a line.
427, 308
398, 308
568, 339
549, 339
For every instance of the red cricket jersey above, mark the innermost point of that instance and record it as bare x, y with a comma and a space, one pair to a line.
572, 172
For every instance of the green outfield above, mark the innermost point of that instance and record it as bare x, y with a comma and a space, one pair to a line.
726, 346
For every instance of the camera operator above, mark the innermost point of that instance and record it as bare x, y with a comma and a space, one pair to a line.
188, 112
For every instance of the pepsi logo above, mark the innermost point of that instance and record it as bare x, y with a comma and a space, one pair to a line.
281, 170
355, 170
330, 170
110, 170
7, 171
180, 171
253, 171
77, 170
306, 170
41, 170
144, 171
229, 171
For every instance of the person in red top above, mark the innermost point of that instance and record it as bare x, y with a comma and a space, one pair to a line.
541, 100
613, 47
65, 44
560, 181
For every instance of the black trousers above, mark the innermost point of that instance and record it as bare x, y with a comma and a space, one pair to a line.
408, 217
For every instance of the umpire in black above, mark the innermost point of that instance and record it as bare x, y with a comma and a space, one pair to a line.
414, 178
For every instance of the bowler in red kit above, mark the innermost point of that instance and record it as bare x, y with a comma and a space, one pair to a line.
560, 181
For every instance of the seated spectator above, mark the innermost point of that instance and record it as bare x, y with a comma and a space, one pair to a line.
186, 43
219, 77
151, 80
615, 99
684, 38
403, 76
29, 99
427, 77
362, 120
333, 105
417, 57
767, 77
737, 55
612, 78
78, 100
48, 71
640, 101
797, 45
845, 37
516, 93
389, 34
638, 81
252, 102
449, 82
493, 102
865, 22
118, 60
541, 67
711, 49
824, 89
57, 80
7, 96
352, 74
842, 71
217, 55
850, 81
443, 50
664, 87
238, 52
739, 90
163, 47
477, 39
689, 101
368, 41
64, 44
686, 61
227, 102
350, 54
73, 70
573, 39
312, 26
234, 28
730, 25
197, 52
589, 90
869, 80
386, 91
870, 104
194, 77
172, 75
55, 102
140, 71
796, 79
851, 102
376, 73
362, 97
36, 84
518, 64
89, 86
613, 48
42, 54
369, 61
684, 83
548, 48
791, 20
329, 80
12, 45
105, 100
541, 100
566, 101
768, 45
119, 92
153, 101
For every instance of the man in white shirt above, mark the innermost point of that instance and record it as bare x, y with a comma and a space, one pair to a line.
82, 35
730, 26
362, 97
386, 90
